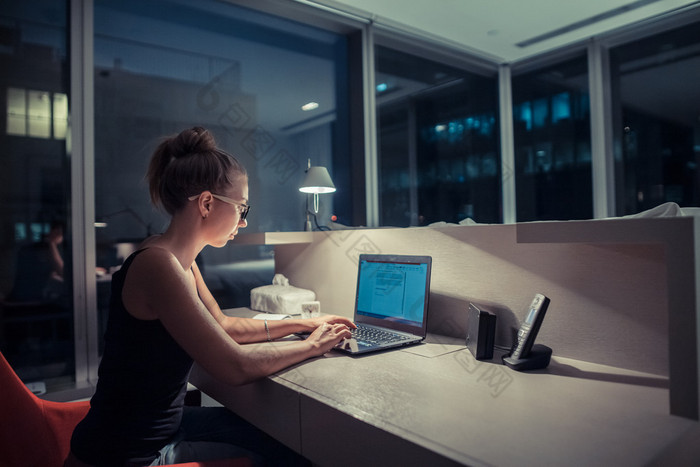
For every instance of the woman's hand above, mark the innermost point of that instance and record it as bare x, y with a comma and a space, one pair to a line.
330, 319
329, 334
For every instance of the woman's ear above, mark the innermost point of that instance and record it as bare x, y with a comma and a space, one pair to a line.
204, 203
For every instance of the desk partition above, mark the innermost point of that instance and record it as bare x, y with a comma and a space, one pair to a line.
623, 291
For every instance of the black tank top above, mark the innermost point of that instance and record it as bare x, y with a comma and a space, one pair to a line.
137, 405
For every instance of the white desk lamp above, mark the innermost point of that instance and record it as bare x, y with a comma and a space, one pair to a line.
317, 181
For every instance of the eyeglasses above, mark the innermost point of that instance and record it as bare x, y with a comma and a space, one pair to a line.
242, 208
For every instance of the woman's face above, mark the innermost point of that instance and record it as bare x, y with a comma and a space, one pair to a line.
226, 217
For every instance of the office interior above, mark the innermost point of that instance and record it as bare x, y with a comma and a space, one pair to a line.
430, 122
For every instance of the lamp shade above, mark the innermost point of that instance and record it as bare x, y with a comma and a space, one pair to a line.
317, 181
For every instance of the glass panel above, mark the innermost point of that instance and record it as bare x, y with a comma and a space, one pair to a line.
552, 140
60, 115
657, 122
438, 142
163, 66
36, 316
16, 112
39, 114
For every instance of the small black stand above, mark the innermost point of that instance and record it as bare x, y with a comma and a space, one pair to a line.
537, 359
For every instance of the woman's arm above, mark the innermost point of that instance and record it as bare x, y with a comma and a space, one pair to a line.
246, 330
158, 287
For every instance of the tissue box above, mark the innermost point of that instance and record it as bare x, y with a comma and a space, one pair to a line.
284, 299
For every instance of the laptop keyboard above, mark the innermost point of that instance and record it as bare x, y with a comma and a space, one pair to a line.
364, 336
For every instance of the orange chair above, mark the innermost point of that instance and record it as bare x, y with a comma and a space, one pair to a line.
36, 432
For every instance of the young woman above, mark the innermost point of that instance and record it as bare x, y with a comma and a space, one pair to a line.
163, 317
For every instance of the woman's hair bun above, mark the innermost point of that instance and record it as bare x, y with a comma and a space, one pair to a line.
195, 140
187, 164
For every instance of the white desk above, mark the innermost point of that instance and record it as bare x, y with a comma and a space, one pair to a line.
434, 404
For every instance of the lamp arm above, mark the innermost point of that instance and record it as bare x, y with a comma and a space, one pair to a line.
310, 214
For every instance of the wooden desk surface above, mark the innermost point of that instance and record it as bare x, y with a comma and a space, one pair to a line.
434, 403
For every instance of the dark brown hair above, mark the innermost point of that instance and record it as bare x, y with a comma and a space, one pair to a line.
187, 164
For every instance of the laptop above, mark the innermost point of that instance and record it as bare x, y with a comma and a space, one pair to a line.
391, 302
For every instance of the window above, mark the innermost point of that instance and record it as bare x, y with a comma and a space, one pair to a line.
657, 124
438, 142
164, 66
37, 114
552, 142
36, 293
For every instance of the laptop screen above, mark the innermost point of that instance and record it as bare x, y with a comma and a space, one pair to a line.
393, 291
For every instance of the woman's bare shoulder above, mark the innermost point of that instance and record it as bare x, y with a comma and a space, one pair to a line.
154, 256
156, 267
156, 280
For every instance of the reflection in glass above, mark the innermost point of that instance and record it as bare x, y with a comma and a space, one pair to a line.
16, 112
39, 114
551, 119
656, 102
36, 309
60, 115
438, 142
